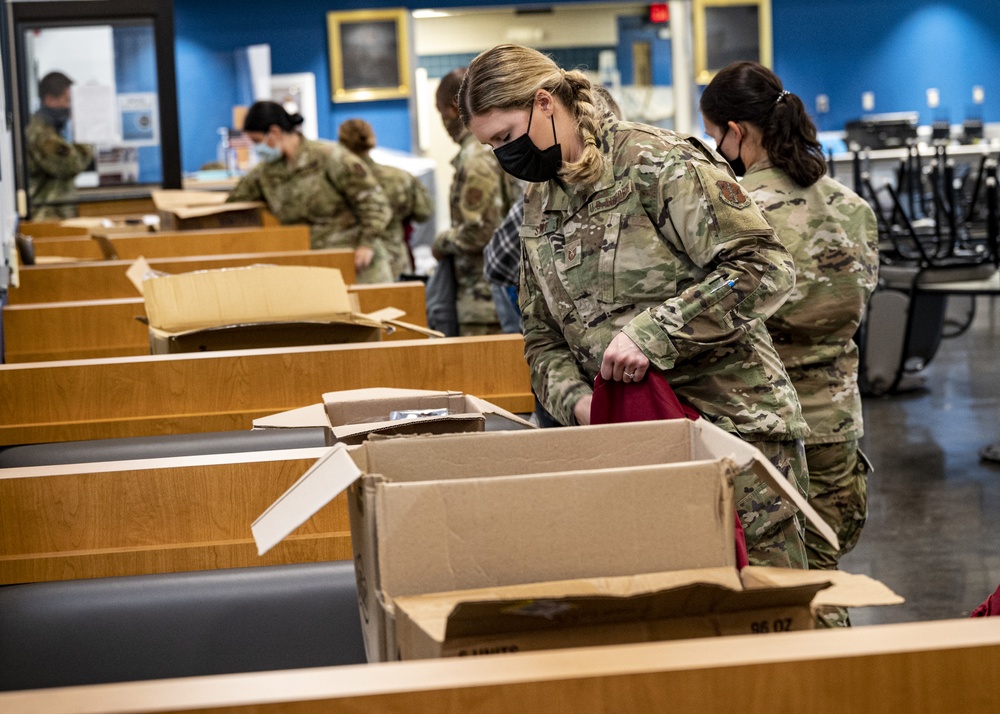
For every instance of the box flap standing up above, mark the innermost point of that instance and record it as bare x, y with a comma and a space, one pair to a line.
191, 301
353, 414
179, 209
255, 306
487, 510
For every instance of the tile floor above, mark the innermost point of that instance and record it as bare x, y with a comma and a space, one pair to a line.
933, 533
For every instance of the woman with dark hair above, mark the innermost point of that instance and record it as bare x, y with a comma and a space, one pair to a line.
639, 251
411, 202
322, 185
831, 233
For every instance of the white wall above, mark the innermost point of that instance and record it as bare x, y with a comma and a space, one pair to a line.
473, 30
85, 54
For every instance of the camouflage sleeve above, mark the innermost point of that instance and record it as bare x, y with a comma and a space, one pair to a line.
247, 189
58, 158
479, 208
748, 273
420, 200
556, 377
359, 187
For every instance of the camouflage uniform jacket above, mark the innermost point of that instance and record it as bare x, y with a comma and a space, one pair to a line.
53, 162
668, 249
478, 205
328, 188
833, 238
410, 202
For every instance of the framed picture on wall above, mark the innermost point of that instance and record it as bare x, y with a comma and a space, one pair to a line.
727, 31
369, 55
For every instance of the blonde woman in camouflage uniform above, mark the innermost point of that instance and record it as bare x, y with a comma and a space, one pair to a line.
832, 236
410, 200
639, 249
53, 162
322, 185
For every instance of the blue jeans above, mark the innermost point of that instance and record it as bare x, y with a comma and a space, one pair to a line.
507, 312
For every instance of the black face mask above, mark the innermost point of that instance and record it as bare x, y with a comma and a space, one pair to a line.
522, 159
56, 116
737, 165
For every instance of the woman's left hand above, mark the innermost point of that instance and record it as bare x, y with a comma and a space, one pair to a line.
623, 360
363, 257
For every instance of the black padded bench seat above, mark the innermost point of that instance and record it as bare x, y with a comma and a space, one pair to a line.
76, 632
157, 447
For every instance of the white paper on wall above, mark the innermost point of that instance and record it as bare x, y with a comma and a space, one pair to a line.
95, 114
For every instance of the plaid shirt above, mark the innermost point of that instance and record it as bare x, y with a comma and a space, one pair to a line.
502, 255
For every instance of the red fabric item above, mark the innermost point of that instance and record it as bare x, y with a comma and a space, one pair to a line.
650, 399
989, 608
647, 400
407, 238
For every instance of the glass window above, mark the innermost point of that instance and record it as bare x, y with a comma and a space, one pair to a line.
114, 97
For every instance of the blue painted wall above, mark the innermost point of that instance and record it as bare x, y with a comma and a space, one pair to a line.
135, 71
209, 31
895, 48
637, 29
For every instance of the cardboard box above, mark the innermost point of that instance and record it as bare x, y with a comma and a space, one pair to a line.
460, 512
255, 306
354, 414
114, 225
652, 607
181, 210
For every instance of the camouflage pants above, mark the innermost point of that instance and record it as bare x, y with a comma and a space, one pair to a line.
838, 490
377, 271
477, 314
399, 258
53, 213
473, 329
772, 526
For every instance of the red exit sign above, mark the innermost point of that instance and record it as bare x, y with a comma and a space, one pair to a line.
659, 12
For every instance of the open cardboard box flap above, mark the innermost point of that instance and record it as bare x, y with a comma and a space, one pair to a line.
341, 411
253, 294
671, 594
186, 303
449, 622
194, 204
715, 440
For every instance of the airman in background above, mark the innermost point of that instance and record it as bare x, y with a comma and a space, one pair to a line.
480, 198
411, 202
53, 162
322, 185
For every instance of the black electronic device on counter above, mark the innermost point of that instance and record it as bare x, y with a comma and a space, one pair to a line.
972, 131
881, 131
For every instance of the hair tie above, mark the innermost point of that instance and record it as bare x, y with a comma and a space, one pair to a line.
589, 140
784, 93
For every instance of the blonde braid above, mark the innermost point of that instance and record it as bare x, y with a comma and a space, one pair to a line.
588, 168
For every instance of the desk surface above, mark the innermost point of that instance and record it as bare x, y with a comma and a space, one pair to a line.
913, 668
989, 286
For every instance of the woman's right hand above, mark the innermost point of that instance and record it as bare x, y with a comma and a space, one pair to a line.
363, 257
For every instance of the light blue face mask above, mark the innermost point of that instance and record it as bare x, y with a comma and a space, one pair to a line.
265, 153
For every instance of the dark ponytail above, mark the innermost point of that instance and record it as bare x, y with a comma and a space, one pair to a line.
749, 92
261, 116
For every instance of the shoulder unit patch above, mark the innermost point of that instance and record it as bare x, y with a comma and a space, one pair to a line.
732, 194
